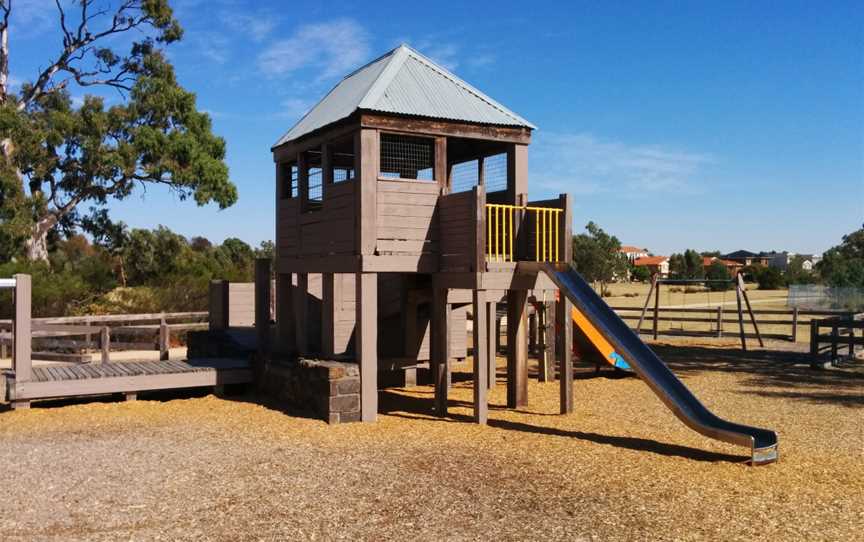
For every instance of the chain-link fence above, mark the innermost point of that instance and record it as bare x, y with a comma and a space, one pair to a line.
817, 296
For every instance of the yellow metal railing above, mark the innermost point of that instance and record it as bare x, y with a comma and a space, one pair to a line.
500, 241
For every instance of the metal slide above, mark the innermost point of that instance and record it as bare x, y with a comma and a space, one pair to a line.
655, 373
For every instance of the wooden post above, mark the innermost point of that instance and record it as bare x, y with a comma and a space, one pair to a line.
551, 340
655, 324
286, 329
366, 337
565, 365
834, 341
164, 340
328, 314
645, 306
439, 346
326, 169
105, 344
851, 337
21, 329
218, 304
131, 396
491, 308
366, 156
303, 182
481, 357
262, 314
795, 324
740, 315
750, 311
478, 241
517, 348
532, 333
441, 170
542, 357
719, 321
498, 325
814, 338
566, 228
301, 314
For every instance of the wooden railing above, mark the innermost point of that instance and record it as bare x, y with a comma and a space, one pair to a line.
512, 229
842, 334
89, 333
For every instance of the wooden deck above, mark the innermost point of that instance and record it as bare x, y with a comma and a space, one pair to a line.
57, 381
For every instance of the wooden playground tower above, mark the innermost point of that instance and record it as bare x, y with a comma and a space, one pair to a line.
406, 190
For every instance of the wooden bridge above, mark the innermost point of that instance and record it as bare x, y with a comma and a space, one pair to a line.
25, 383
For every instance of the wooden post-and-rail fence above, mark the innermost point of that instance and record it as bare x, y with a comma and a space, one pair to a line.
115, 332
842, 334
781, 324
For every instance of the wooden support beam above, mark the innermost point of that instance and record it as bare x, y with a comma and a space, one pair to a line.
551, 339
301, 313
517, 348
740, 317
218, 304
566, 228
105, 344
164, 340
750, 310
21, 328
492, 346
285, 326
366, 336
439, 345
303, 182
326, 169
262, 315
565, 366
367, 155
481, 357
442, 170
328, 314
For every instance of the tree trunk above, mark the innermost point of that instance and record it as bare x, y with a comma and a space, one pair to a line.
36, 247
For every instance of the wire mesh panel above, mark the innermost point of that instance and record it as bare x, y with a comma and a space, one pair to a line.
495, 172
289, 175
316, 184
465, 175
407, 157
342, 174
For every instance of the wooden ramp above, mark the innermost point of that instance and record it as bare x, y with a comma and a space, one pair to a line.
57, 381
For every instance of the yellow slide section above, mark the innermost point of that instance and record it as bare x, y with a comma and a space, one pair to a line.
600, 343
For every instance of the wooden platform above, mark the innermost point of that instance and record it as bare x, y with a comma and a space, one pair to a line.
57, 381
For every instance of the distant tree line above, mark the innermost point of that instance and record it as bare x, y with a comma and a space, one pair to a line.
131, 271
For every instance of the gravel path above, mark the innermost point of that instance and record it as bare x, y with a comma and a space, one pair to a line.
620, 468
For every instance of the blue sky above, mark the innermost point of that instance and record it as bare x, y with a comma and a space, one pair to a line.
719, 125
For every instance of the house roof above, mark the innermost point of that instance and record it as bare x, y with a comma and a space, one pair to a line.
741, 254
650, 260
407, 83
631, 248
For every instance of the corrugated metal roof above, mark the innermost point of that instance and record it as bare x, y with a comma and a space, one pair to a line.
404, 82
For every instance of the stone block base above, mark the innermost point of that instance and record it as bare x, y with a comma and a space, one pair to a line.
330, 390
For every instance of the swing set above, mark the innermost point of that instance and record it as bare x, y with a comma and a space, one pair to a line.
740, 292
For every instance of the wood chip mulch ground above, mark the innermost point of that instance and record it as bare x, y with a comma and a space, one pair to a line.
620, 468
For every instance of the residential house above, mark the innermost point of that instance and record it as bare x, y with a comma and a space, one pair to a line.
781, 260
633, 253
731, 266
745, 257
657, 265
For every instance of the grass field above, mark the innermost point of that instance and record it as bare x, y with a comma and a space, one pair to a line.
621, 467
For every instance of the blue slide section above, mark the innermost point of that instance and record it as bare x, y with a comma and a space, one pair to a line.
654, 372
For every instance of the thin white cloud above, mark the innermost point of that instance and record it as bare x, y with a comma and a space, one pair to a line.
333, 48
583, 164
256, 27
445, 54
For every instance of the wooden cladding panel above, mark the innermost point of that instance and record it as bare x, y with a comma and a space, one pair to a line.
406, 217
457, 231
326, 231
